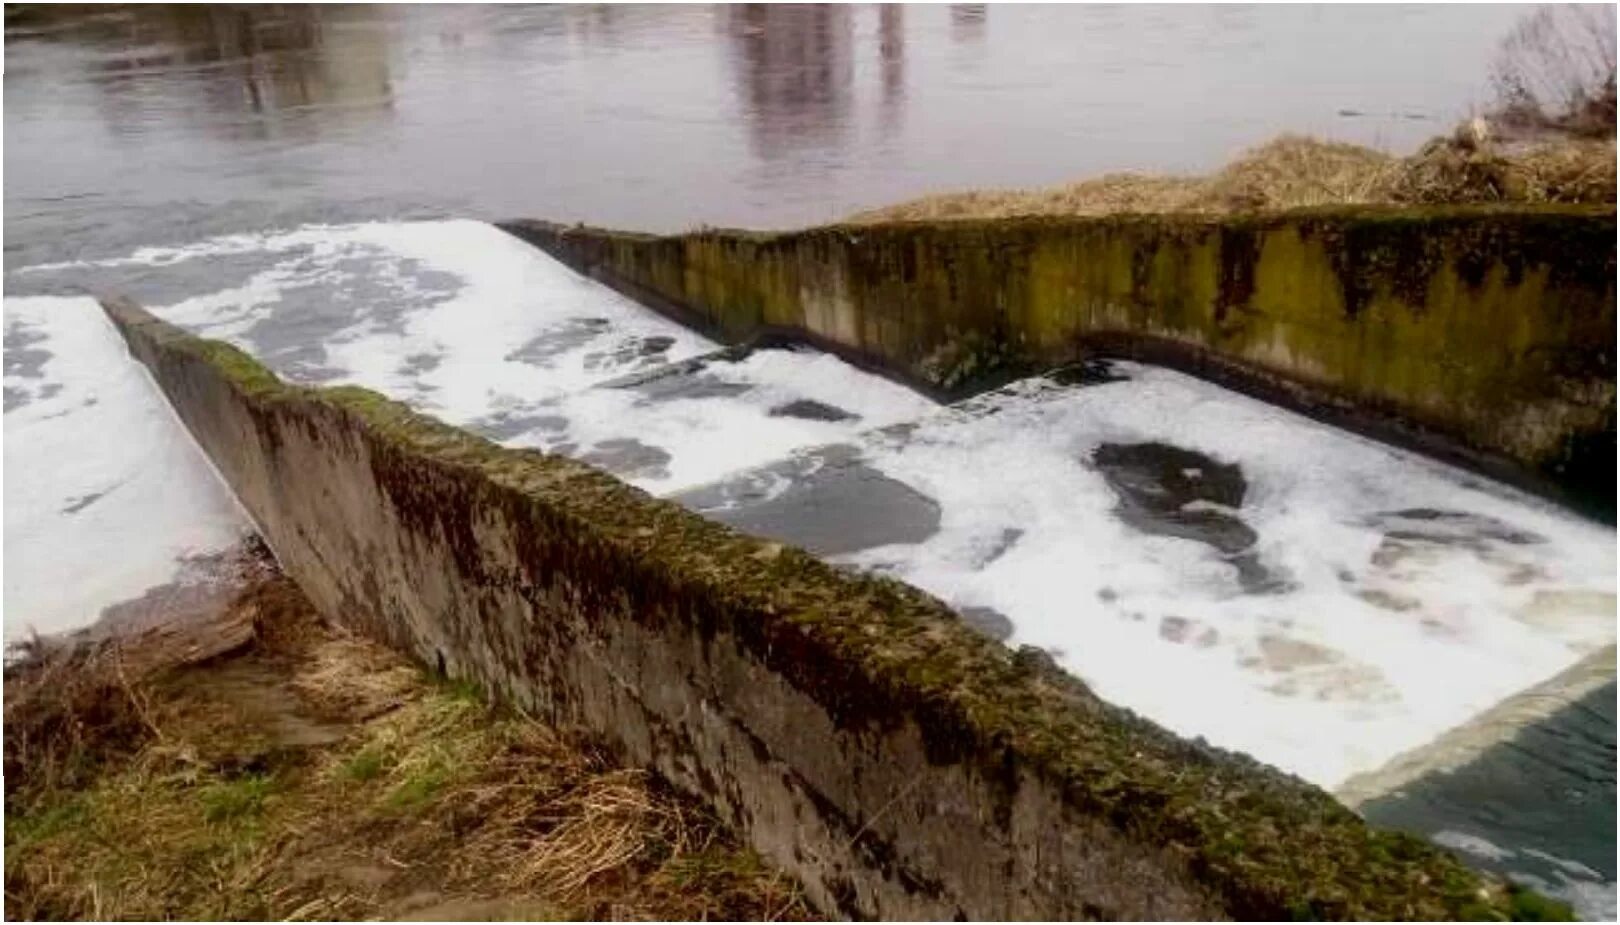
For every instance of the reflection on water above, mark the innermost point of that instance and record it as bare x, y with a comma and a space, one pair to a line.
229, 58
795, 68
892, 51
133, 125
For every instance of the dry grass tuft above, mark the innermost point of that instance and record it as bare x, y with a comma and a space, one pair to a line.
1573, 170
345, 676
1294, 171
68, 711
563, 842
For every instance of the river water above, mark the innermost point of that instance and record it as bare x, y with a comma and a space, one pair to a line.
140, 125
301, 182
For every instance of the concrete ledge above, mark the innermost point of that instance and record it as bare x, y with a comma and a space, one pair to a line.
1483, 336
850, 727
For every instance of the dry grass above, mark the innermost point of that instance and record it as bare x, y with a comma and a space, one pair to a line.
316, 776
66, 714
1293, 172
1566, 170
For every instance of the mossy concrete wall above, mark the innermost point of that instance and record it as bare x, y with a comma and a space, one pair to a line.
852, 728
1485, 336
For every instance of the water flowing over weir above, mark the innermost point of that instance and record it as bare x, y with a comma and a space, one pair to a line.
1228, 569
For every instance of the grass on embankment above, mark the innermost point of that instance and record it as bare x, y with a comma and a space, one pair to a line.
1297, 172
316, 775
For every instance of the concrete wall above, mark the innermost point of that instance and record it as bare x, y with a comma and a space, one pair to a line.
861, 737
1484, 336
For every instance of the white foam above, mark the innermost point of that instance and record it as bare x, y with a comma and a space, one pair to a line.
1319, 679
510, 293
506, 294
709, 437
105, 431
461, 294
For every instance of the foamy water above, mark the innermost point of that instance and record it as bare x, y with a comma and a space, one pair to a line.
467, 323
104, 489
1397, 597
1326, 604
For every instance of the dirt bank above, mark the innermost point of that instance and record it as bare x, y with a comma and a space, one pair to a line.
263, 765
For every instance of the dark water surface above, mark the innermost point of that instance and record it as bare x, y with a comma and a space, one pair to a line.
137, 125
1538, 807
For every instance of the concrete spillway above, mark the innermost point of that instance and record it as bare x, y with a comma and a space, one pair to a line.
1324, 602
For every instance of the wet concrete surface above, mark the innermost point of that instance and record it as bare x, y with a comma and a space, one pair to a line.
21, 357
560, 339
695, 377
833, 503
811, 410
989, 621
1538, 807
311, 315
629, 458
24, 360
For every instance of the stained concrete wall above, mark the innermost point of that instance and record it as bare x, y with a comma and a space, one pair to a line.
851, 728
1484, 336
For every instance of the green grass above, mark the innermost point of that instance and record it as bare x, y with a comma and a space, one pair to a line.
47, 821
239, 798
1528, 906
366, 765
418, 789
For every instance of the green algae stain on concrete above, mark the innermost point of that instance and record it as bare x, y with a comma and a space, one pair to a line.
1483, 334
